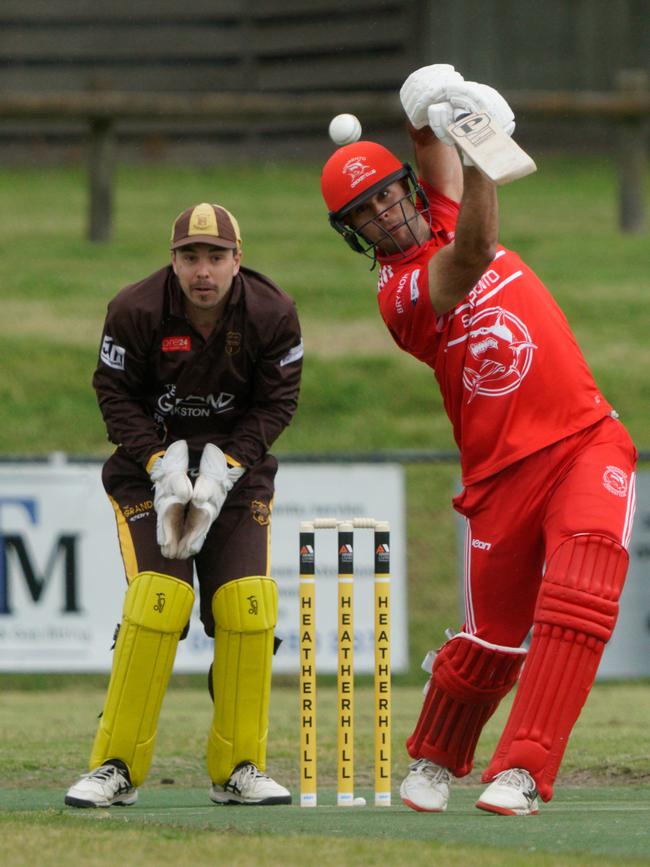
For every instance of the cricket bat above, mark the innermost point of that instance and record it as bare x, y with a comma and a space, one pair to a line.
491, 150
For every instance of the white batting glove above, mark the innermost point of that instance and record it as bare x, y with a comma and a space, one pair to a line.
424, 87
214, 483
469, 97
440, 115
172, 492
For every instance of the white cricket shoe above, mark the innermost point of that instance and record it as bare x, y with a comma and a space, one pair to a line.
426, 787
511, 793
108, 785
248, 785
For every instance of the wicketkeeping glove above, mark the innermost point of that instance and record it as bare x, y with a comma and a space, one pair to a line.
424, 87
214, 483
172, 492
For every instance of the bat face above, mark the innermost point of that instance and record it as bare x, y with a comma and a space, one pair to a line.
475, 127
491, 150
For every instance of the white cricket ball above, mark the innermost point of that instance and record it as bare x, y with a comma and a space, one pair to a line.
358, 802
345, 129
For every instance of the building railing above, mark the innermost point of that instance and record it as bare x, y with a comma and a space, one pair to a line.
627, 109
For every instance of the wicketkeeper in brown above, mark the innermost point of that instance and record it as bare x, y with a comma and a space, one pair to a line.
198, 374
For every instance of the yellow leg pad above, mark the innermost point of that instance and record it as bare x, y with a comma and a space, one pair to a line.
245, 613
156, 609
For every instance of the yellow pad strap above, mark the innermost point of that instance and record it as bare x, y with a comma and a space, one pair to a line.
245, 613
156, 610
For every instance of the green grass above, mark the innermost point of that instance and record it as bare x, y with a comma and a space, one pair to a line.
171, 821
599, 814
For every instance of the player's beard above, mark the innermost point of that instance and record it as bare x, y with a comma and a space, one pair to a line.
206, 296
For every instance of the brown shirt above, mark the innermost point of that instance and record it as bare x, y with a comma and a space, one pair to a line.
158, 380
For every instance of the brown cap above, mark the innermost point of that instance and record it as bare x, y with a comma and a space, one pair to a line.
206, 224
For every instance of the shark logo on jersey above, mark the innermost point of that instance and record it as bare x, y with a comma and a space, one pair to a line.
499, 353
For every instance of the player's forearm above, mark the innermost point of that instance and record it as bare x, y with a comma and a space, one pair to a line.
477, 229
438, 163
459, 266
252, 438
129, 426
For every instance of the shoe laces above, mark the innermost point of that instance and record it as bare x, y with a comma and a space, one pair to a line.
104, 773
246, 771
434, 773
519, 779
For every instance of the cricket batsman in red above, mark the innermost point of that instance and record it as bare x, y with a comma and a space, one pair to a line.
548, 469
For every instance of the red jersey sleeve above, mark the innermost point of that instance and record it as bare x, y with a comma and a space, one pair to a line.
443, 212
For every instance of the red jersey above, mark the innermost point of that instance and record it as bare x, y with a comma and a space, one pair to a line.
512, 377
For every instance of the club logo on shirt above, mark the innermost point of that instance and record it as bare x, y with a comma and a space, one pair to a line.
176, 344
615, 481
233, 342
499, 353
261, 512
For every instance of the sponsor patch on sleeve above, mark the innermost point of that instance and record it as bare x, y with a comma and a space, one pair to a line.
111, 354
293, 354
415, 289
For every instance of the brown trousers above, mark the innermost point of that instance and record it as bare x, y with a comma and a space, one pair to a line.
237, 544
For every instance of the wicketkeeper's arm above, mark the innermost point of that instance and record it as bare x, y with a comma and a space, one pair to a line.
120, 383
274, 390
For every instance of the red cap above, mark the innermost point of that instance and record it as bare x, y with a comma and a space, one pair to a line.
353, 169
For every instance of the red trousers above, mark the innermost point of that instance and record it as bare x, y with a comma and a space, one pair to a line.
516, 519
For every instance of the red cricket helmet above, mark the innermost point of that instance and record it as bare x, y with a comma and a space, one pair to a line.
354, 169
355, 172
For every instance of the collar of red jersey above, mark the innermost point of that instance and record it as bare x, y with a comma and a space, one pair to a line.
414, 251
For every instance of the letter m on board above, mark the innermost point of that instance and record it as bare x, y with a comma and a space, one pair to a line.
62, 559
63, 551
